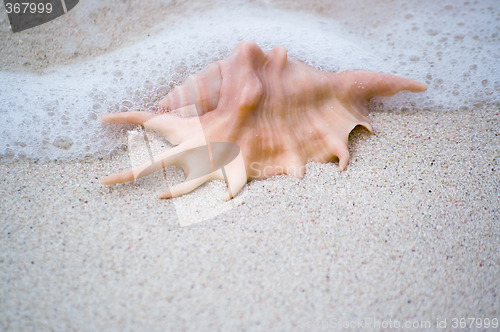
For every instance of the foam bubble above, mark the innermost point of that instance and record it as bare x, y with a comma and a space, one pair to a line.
54, 115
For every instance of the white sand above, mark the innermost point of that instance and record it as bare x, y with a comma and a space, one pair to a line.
408, 233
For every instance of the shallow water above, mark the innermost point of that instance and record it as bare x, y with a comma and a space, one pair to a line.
52, 113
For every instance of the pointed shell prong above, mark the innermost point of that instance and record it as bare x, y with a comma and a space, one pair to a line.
186, 186
174, 128
136, 117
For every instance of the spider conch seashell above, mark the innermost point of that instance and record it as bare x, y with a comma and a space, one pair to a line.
277, 111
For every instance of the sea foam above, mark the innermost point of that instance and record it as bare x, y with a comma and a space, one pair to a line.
54, 114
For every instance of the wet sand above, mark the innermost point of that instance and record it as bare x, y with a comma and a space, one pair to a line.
408, 234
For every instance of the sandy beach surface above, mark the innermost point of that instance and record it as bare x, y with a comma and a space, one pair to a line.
407, 237
408, 233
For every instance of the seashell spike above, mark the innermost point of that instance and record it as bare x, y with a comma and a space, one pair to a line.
279, 113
